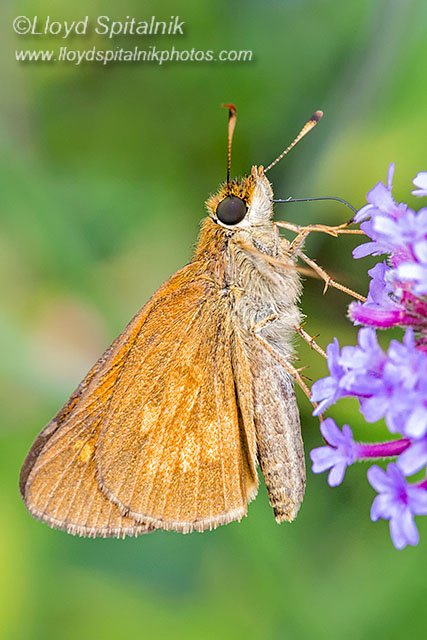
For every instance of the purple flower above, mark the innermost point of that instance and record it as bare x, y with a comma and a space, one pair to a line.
338, 455
384, 227
390, 385
380, 288
367, 358
414, 458
415, 271
397, 236
380, 308
420, 181
399, 231
406, 365
355, 371
381, 201
405, 378
397, 391
327, 390
400, 236
398, 502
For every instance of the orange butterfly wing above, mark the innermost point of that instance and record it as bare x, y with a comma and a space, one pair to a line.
173, 452
155, 425
58, 478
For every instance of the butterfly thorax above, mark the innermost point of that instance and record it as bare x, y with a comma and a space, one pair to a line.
248, 261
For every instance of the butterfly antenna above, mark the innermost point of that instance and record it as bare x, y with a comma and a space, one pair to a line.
232, 115
306, 128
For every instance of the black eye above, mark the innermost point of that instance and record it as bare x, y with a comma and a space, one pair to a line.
231, 210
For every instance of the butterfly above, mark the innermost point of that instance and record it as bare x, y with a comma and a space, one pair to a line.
168, 428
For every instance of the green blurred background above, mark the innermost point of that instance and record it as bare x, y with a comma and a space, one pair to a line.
104, 171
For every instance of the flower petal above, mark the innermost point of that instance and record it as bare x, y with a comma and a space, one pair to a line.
396, 533
336, 474
413, 458
409, 528
420, 181
378, 478
331, 432
416, 424
417, 500
381, 507
364, 249
390, 174
322, 458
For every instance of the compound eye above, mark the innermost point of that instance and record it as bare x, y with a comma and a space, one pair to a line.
231, 210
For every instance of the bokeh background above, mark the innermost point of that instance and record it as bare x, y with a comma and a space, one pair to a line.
104, 172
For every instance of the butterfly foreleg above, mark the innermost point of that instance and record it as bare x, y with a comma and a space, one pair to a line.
334, 231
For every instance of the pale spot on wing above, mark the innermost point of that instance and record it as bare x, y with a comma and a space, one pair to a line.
86, 452
84, 449
188, 452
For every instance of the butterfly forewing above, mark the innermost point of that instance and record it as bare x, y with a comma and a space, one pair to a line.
173, 451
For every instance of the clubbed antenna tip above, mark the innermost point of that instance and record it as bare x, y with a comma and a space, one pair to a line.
306, 128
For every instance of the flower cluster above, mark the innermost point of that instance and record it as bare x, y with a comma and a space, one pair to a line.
391, 385
397, 290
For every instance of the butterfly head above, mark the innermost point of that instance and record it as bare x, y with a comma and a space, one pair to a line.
247, 202
243, 203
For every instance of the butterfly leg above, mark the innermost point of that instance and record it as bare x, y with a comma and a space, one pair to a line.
295, 250
302, 232
280, 358
334, 231
293, 371
311, 340
329, 282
